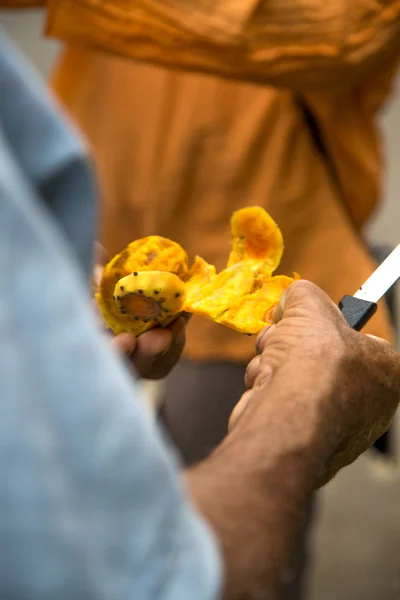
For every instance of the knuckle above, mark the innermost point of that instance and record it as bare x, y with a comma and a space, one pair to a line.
264, 375
252, 371
262, 338
303, 287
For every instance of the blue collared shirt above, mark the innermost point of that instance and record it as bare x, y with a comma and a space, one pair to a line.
91, 501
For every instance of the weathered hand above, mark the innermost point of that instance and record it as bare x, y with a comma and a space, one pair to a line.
154, 353
353, 378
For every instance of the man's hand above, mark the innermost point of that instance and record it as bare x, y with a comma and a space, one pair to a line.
319, 395
361, 372
154, 353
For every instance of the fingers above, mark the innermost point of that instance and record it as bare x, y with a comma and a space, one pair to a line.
159, 350
299, 306
380, 340
157, 342
155, 352
263, 337
239, 409
252, 371
299, 293
303, 294
301, 298
178, 327
277, 313
125, 343
154, 343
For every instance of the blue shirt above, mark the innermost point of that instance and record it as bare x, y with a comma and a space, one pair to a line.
91, 501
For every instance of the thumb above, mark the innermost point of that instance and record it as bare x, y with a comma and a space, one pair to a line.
304, 300
303, 297
239, 409
154, 343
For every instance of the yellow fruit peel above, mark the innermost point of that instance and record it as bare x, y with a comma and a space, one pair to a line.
149, 283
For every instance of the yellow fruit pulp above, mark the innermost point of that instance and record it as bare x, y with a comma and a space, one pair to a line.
149, 283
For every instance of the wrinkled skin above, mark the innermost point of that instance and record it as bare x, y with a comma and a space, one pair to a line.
355, 376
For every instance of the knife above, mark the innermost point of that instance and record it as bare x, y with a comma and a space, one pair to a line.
358, 309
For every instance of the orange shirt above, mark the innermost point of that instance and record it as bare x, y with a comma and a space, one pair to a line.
21, 3
177, 152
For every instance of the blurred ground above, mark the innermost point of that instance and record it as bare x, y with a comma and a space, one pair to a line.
357, 538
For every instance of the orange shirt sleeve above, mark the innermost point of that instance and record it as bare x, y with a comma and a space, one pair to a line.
21, 3
304, 44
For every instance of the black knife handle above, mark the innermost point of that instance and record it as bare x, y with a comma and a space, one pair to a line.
357, 312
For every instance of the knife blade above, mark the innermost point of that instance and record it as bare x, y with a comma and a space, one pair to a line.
358, 309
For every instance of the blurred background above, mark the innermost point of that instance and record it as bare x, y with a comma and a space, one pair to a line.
357, 535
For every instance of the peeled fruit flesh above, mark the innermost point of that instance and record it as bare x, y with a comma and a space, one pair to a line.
150, 295
255, 237
149, 283
154, 254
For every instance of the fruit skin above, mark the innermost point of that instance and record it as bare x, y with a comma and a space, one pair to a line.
152, 253
149, 283
150, 295
255, 237
252, 313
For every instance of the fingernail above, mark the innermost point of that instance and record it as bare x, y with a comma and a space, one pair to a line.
269, 315
279, 309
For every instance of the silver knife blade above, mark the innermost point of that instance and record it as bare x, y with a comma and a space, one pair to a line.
381, 279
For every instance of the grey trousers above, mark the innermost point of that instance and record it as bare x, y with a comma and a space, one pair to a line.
198, 400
